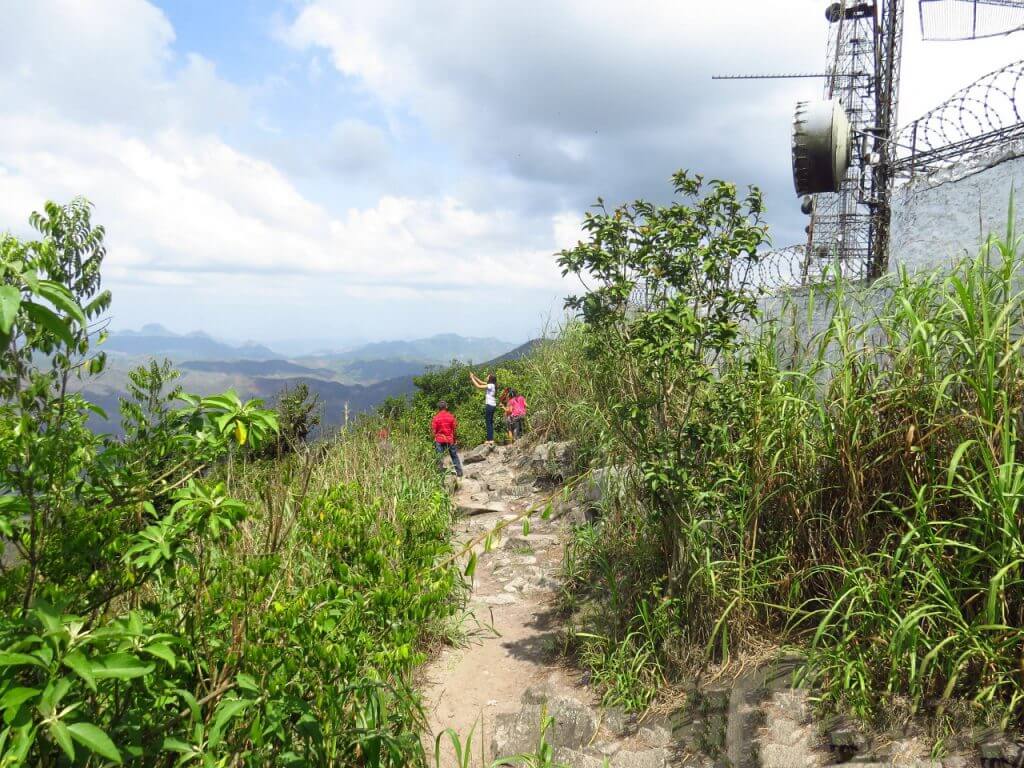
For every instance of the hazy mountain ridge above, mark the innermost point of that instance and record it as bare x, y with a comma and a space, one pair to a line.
362, 377
518, 353
154, 340
254, 367
441, 348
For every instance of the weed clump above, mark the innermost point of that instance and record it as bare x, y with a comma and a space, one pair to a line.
171, 598
856, 494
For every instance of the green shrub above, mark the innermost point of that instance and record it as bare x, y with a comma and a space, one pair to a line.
857, 496
452, 384
298, 414
167, 600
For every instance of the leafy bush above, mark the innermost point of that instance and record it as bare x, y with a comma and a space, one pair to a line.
298, 413
165, 599
393, 408
452, 384
857, 495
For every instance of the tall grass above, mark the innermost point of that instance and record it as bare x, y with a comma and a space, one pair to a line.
563, 393
334, 593
857, 494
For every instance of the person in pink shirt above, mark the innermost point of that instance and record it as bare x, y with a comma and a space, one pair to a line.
515, 412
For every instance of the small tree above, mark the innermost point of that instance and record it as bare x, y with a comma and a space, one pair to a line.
298, 414
91, 527
393, 408
668, 293
451, 384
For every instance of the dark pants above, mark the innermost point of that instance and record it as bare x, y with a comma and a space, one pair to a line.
515, 426
489, 421
441, 449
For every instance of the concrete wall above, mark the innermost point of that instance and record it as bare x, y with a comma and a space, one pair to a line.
936, 219
939, 218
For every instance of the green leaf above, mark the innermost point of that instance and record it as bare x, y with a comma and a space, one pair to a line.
30, 278
471, 566
93, 408
77, 663
228, 401
94, 739
60, 734
97, 363
49, 617
61, 298
247, 682
15, 697
177, 745
120, 666
191, 703
50, 321
52, 695
13, 505
19, 660
161, 651
227, 710
10, 301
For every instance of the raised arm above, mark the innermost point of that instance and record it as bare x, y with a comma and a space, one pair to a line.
476, 382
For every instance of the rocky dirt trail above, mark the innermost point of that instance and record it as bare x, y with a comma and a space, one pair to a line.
477, 687
507, 675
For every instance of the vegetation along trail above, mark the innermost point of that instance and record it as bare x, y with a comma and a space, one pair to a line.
496, 692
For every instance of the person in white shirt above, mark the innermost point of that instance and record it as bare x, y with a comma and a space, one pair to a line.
490, 388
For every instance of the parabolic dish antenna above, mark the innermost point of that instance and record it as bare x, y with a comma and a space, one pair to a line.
821, 146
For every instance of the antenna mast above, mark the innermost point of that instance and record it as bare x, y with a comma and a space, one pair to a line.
847, 151
850, 224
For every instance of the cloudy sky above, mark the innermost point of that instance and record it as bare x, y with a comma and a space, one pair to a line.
344, 169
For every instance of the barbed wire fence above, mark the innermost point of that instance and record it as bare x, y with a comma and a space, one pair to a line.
985, 116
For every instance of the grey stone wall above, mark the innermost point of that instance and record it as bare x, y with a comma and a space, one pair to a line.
936, 219
946, 215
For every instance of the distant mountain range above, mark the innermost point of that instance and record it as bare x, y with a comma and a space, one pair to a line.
154, 340
361, 377
442, 348
515, 354
254, 368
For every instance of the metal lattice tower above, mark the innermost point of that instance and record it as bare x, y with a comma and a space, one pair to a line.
847, 151
851, 226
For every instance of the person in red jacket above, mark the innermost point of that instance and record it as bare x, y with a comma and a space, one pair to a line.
444, 426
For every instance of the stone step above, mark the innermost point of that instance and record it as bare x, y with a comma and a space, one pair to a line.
470, 508
648, 758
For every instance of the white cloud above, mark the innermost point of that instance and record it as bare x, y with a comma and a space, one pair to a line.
532, 110
190, 203
113, 65
185, 209
584, 97
555, 79
356, 147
